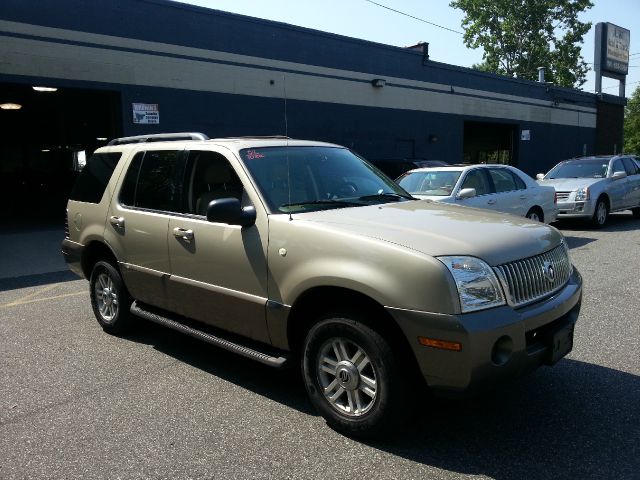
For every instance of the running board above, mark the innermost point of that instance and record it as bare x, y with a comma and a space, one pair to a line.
245, 351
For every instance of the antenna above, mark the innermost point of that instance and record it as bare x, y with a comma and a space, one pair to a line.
286, 134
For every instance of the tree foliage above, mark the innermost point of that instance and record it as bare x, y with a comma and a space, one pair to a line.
632, 123
518, 36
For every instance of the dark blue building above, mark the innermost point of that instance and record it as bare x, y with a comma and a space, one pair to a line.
127, 67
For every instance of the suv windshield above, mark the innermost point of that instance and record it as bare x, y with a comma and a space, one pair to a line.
303, 179
580, 169
438, 183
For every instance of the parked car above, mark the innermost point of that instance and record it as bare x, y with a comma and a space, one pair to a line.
288, 251
496, 187
396, 167
593, 187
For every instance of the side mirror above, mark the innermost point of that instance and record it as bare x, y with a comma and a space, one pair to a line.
228, 210
539, 176
466, 193
618, 175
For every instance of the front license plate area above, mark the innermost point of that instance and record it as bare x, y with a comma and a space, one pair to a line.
561, 343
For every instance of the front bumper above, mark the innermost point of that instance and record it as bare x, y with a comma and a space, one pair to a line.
72, 253
497, 344
573, 209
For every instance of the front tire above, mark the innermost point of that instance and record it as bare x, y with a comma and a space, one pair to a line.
600, 213
110, 299
352, 377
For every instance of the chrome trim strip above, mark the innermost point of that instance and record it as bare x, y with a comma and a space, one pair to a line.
220, 290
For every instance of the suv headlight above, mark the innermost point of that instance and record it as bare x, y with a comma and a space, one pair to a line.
478, 286
582, 194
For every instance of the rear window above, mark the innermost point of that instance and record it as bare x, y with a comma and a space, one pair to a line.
94, 177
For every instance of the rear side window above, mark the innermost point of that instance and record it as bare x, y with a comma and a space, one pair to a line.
504, 180
630, 166
94, 177
151, 181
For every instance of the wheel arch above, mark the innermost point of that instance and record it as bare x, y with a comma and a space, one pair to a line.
93, 253
318, 302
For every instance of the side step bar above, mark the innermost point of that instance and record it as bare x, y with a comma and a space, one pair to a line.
245, 351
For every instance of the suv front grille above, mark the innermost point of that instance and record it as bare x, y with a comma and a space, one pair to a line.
534, 278
563, 195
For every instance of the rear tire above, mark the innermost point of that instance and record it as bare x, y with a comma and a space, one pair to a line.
600, 213
535, 214
353, 377
110, 299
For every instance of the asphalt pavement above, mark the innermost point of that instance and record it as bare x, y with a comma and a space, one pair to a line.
78, 403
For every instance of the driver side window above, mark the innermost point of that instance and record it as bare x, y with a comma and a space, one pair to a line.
209, 176
477, 179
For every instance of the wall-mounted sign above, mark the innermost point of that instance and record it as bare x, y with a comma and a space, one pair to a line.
525, 135
146, 113
614, 48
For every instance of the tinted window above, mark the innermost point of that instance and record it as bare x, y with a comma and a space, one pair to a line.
630, 166
209, 176
151, 181
617, 167
477, 179
503, 181
94, 177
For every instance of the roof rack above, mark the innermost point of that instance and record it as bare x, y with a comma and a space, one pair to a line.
160, 137
256, 137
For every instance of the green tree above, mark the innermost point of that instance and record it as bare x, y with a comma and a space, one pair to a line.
632, 123
518, 36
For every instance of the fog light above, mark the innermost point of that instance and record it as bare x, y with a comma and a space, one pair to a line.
441, 344
502, 350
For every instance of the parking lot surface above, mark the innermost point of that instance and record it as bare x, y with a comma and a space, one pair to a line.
78, 403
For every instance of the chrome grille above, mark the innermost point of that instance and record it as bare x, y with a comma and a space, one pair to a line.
66, 223
530, 279
563, 195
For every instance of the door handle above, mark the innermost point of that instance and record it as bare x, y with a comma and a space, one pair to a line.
523, 197
183, 233
117, 222
491, 202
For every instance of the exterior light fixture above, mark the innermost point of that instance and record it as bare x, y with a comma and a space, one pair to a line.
45, 89
45, 150
378, 82
10, 106
101, 139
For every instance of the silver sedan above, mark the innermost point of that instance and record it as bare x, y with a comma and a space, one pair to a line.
500, 188
593, 187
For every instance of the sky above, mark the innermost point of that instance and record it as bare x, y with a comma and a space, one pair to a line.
362, 19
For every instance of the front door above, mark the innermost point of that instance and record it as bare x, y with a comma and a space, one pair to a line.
218, 271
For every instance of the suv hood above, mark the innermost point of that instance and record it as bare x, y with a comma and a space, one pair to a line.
435, 228
569, 184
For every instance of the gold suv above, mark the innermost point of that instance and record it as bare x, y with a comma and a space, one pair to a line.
295, 251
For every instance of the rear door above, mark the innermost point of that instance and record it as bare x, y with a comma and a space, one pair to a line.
511, 192
138, 222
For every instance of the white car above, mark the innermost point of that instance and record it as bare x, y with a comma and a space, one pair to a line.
496, 187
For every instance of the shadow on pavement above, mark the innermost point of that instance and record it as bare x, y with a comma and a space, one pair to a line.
575, 420
577, 242
36, 280
281, 385
617, 222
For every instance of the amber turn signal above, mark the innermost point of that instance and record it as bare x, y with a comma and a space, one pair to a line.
441, 344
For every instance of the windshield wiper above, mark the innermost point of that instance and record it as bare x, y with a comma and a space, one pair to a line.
334, 203
385, 196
